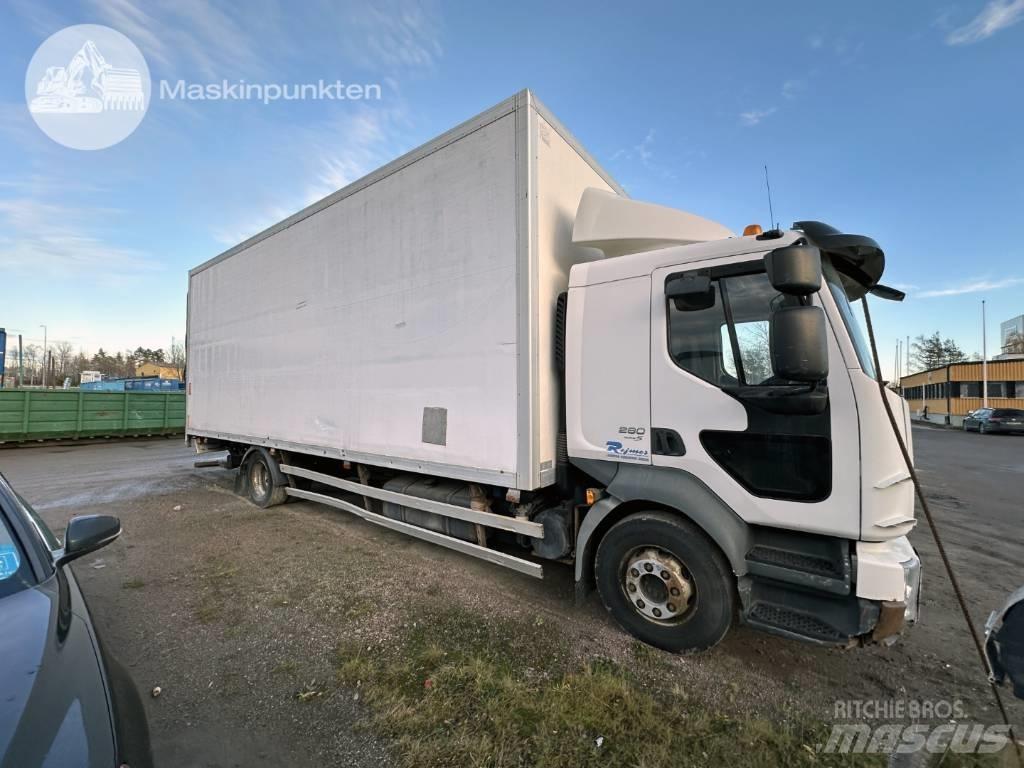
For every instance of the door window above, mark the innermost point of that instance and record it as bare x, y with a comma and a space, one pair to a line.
728, 343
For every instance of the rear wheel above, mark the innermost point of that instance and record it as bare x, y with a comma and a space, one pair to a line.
665, 582
260, 476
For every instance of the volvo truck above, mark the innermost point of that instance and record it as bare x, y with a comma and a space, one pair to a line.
488, 345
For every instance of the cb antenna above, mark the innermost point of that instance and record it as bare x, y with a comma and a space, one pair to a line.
771, 213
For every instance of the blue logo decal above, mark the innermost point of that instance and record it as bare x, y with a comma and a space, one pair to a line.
616, 450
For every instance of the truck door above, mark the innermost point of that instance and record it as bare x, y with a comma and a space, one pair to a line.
714, 413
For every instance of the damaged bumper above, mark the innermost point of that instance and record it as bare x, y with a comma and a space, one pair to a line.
889, 573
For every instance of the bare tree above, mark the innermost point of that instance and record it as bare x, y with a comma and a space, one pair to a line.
32, 355
63, 354
177, 359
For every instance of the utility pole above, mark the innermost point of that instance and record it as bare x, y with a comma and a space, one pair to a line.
908, 354
984, 360
44, 355
21, 364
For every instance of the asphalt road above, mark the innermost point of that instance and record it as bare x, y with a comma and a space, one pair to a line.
234, 610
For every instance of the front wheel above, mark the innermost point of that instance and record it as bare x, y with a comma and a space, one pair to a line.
665, 582
982, 430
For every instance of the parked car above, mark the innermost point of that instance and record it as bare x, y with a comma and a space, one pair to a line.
65, 701
992, 420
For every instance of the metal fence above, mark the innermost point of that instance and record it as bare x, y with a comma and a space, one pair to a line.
27, 414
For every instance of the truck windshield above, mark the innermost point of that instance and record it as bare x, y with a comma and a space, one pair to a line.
853, 326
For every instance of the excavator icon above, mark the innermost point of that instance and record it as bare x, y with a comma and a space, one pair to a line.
61, 89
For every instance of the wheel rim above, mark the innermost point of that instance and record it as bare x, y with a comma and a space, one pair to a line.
657, 585
260, 479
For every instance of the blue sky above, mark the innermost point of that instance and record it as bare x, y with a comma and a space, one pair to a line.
897, 120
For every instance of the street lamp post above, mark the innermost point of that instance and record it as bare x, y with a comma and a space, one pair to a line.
984, 360
44, 354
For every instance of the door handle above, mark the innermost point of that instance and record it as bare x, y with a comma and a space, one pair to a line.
667, 442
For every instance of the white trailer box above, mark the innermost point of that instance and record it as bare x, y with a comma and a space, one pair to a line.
407, 320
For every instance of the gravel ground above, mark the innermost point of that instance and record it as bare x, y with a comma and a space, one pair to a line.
236, 612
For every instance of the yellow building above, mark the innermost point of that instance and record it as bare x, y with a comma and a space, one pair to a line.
163, 370
951, 392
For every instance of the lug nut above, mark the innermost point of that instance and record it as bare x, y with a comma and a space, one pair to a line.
639, 603
634, 572
656, 612
648, 567
674, 591
631, 587
671, 607
664, 575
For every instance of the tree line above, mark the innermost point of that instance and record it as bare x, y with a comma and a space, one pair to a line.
927, 352
62, 362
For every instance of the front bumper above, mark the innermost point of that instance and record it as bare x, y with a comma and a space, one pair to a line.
889, 572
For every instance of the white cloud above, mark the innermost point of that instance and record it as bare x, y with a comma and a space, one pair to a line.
58, 241
975, 285
341, 151
641, 151
791, 89
996, 15
194, 35
395, 34
755, 116
644, 154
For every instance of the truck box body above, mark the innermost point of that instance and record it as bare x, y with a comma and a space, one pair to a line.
407, 320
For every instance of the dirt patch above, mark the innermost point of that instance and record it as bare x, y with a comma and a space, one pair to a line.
281, 636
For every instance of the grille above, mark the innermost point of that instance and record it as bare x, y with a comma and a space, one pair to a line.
797, 561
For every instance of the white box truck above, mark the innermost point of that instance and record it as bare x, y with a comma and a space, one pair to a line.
486, 344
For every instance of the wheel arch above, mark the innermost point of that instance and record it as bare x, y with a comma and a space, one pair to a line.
638, 488
279, 477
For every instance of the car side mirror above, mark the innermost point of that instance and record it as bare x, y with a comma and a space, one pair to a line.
87, 533
690, 293
798, 343
1004, 643
794, 270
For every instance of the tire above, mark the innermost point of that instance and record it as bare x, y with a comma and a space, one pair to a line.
981, 428
259, 479
647, 558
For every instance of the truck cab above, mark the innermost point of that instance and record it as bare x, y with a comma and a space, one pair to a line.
721, 392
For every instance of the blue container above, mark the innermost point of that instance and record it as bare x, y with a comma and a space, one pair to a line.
153, 385
108, 385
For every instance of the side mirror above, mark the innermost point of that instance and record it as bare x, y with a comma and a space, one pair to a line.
690, 292
87, 533
798, 343
794, 270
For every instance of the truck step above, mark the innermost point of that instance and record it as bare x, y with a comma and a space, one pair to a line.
465, 547
784, 620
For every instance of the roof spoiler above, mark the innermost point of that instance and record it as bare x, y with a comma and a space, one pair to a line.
859, 260
617, 225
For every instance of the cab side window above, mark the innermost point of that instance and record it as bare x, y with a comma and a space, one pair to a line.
727, 344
